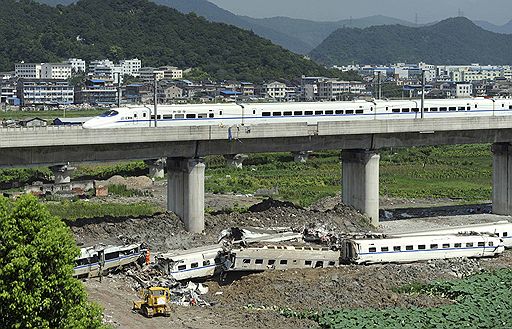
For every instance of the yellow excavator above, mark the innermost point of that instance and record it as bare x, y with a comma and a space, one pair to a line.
155, 301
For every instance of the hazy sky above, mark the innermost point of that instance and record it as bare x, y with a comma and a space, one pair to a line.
494, 11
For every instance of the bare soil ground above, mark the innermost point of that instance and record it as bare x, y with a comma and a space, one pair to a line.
253, 301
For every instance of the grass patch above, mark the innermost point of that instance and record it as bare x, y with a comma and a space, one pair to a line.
70, 211
122, 190
460, 171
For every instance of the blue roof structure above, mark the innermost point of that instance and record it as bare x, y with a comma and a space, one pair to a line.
230, 93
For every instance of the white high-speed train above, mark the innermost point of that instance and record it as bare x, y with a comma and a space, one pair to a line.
310, 112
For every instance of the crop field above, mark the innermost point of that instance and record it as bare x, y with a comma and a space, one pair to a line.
483, 300
459, 172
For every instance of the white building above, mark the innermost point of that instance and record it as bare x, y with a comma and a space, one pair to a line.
463, 90
77, 64
275, 90
27, 70
60, 71
335, 89
131, 66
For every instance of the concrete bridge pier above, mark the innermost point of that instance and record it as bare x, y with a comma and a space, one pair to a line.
235, 160
156, 168
502, 179
62, 173
185, 191
360, 172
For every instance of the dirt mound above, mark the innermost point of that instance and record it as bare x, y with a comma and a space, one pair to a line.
271, 203
162, 232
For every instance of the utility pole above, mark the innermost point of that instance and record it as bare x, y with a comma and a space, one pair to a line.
118, 90
379, 86
155, 96
422, 92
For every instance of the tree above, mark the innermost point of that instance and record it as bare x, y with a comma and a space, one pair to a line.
37, 289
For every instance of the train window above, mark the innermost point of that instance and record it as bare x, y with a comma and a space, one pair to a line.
452, 108
265, 114
491, 244
329, 112
395, 110
446, 245
457, 245
308, 112
397, 248
384, 249
220, 112
371, 108
308, 263
319, 112
415, 109
206, 262
153, 117
246, 260
433, 109
425, 109
179, 116
505, 234
194, 265
143, 115
319, 264
283, 262
502, 105
276, 114
349, 112
167, 116
372, 249
339, 112
135, 115
202, 115
112, 255
287, 113
461, 108
191, 116
405, 110
409, 247
332, 263
159, 117
443, 109
297, 113
469, 244
434, 246
468, 108
210, 115
182, 267
258, 261
253, 111
510, 107
421, 246
481, 244
271, 261
359, 111
476, 106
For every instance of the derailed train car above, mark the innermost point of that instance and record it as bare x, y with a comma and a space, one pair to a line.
420, 248
97, 260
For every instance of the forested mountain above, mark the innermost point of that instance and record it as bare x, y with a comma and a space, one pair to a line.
297, 35
505, 28
158, 35
452, 41
313, 33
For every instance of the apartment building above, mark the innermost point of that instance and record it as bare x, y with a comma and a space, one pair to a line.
43, 91
27, 70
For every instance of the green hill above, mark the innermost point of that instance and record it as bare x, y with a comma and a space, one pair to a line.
452, 41
158, 35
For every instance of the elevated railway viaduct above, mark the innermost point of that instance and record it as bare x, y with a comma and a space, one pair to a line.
184, 148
